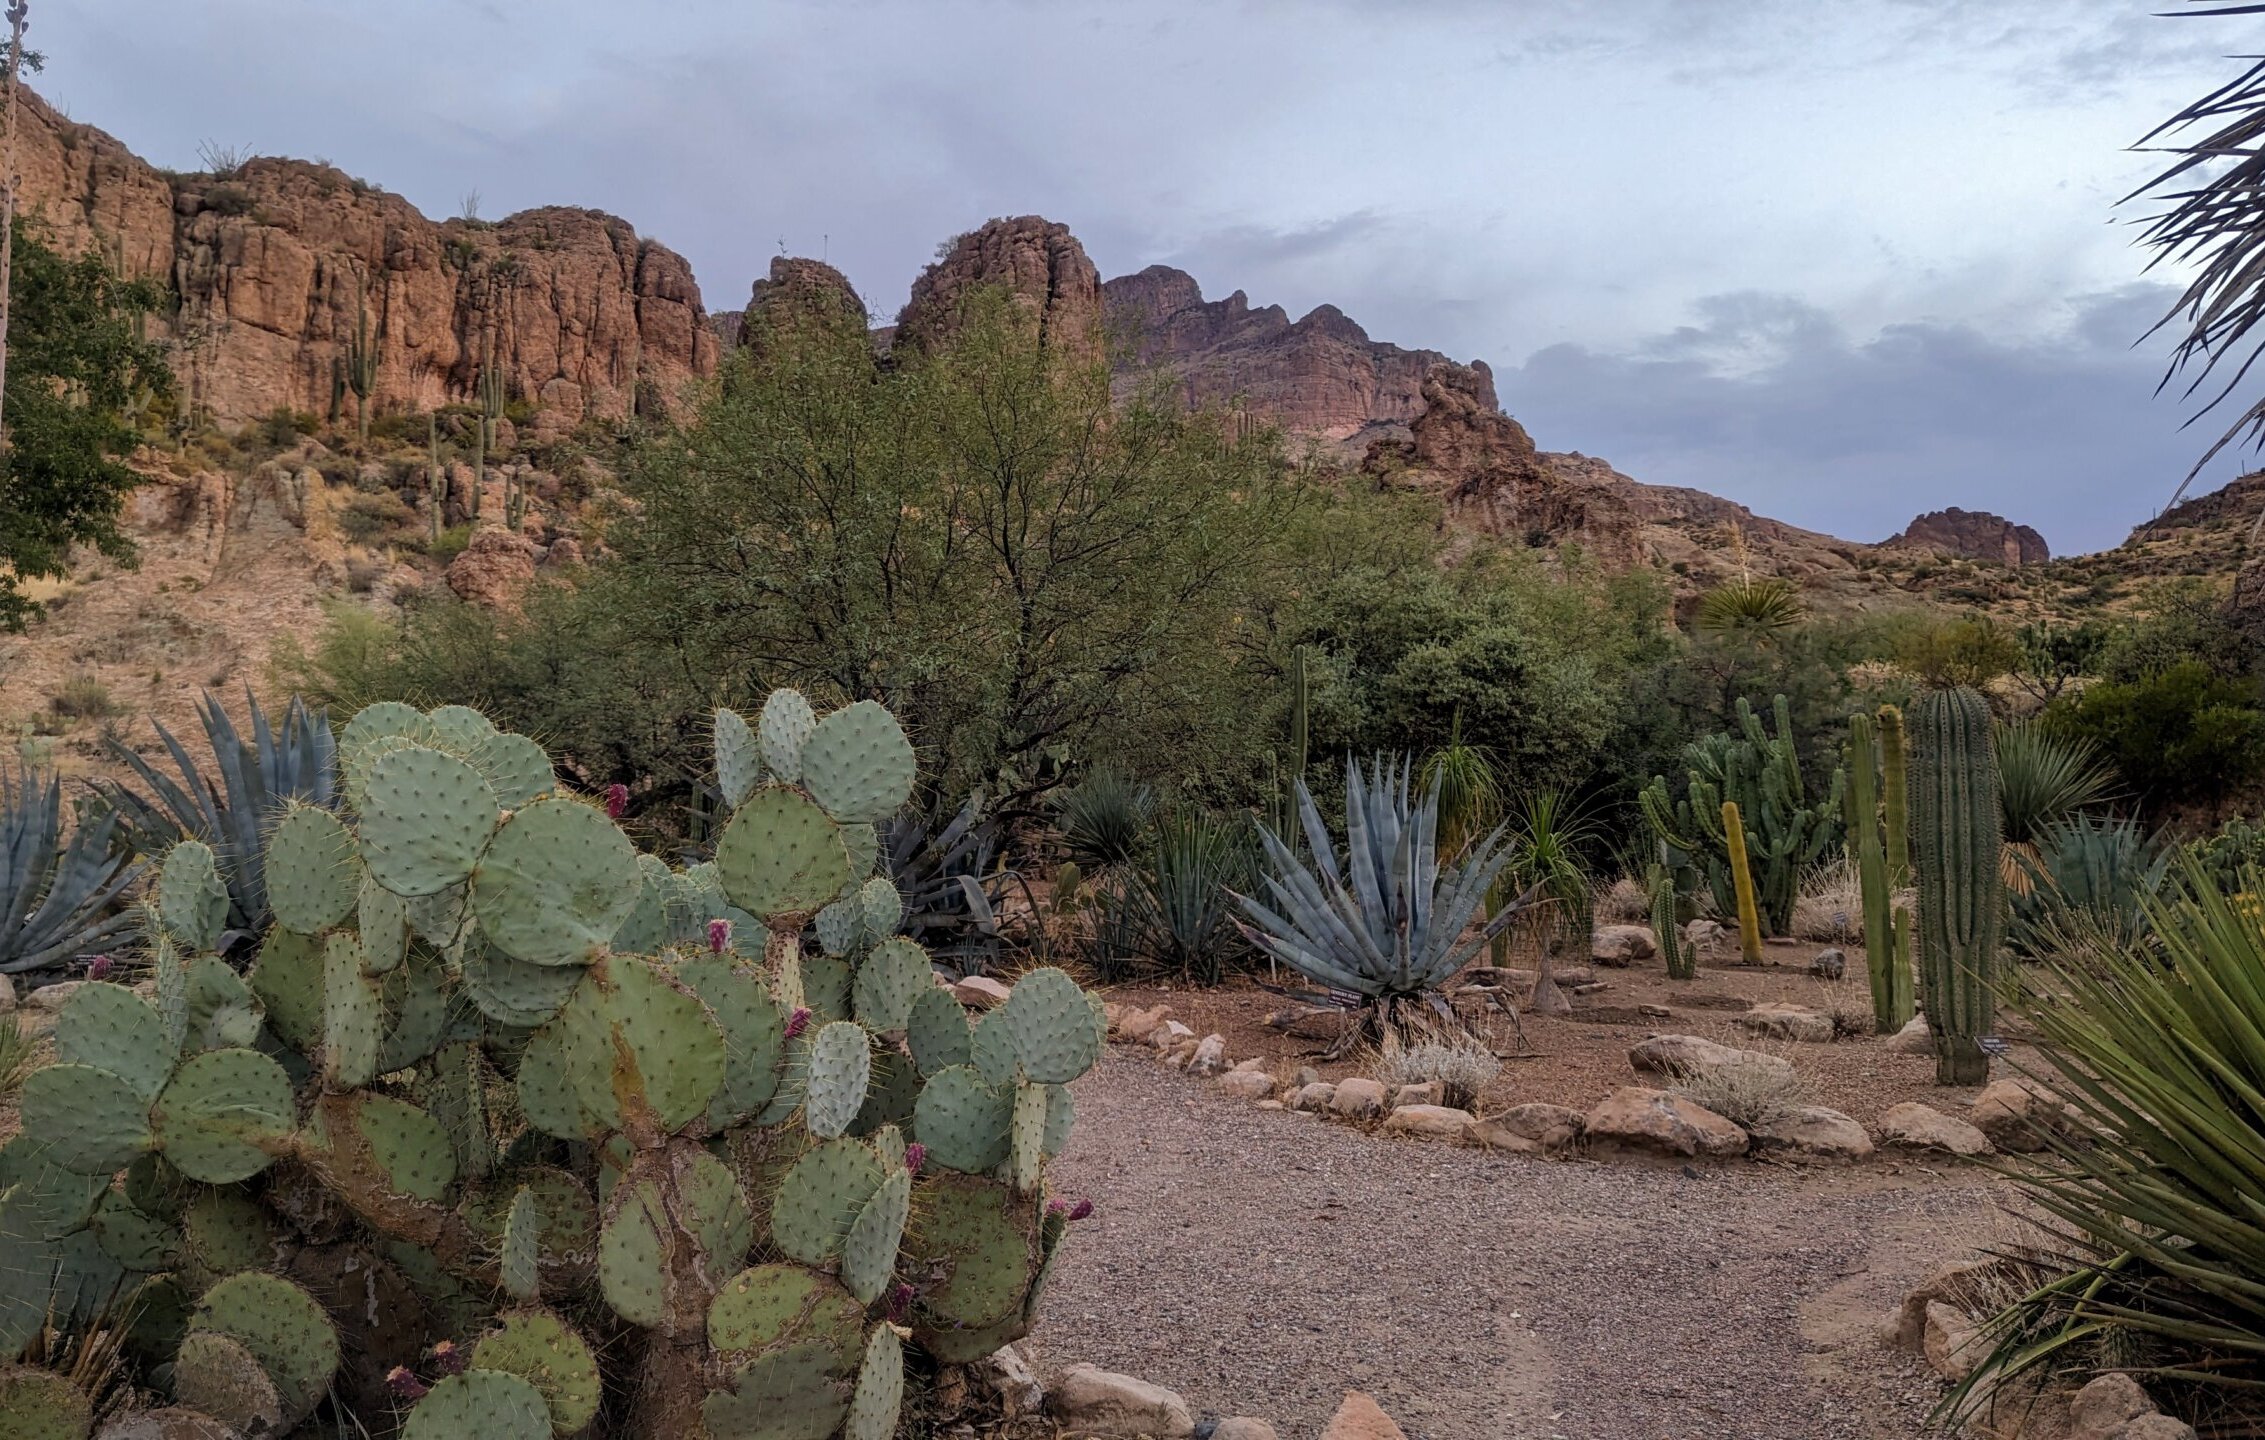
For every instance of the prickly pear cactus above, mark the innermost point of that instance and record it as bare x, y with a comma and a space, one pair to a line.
493, 1070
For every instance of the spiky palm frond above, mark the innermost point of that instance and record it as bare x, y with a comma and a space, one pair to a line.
1760, 607
1103, 818
58, 900
1466, 779
1175, 909
2044, 777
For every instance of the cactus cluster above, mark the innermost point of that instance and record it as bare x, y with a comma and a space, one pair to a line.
510, 1126
1957, 830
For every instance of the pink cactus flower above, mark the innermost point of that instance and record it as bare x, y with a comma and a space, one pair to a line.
1083, 1209
617, 800
100, 966
915, 1156
449, 1358
900, 1302
1069, 1211
719, 936
798, 1021
405, 1384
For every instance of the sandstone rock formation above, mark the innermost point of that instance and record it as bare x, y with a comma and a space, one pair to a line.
272, 266
1973, 535
797, 291
493, 569
1320, 375
1039, 262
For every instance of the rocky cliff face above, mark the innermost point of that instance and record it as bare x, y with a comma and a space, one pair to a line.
1973, 535
1320, 375
1040, 263
273, 267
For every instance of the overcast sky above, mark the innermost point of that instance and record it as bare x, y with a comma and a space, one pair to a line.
1839, 261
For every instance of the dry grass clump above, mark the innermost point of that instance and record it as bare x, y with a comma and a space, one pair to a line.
1623, 902
1461, 1064
1830, 910
1744, 1092
83, 697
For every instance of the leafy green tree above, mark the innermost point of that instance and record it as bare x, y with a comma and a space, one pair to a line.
76, 358
2177, 735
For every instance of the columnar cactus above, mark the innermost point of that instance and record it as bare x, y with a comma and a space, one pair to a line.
1956, 823
360, 365
1894, 783
436, 483
1742, 884
1681, 953
1886, 938
495, 1069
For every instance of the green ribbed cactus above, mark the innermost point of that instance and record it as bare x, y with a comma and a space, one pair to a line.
359, 366
1895, 785
1886, 937
1681, 954
1957, 832
1742, 884
490, 1059
436, 476
1785, 832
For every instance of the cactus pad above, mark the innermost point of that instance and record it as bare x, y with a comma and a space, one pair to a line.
111, 1028
313, 872
42, 1405
191, 900
1049, 1024
643, 1052
459, 729
382, 922
883, 907
354, 765
841, 1069
135, 1241
91, 1121
864, 845
754, 1035
513, 992
739, 758
780, 855
820, 1199
515, 767
218, 1375
966, 1122
826, 984
45, 1201
991, 1049
518, 1257
548, 1354
895, 975
219, 1008
224, 1232
387, 718
556, 883
634, 1251
782, 729
480, 1405
841, 927
771, 1306
353, 1014
282, 1326
443, 919
1028, 1147
426, 816
800, 1391
979, 1242
1061, 1116
411, 1149
417, 1005
893, 1093
288, 981
566, 1220
880, 1388
224, 1115
869, 1251
936, 1031
857, 764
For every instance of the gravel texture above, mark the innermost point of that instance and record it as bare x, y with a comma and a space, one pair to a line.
1262, 1262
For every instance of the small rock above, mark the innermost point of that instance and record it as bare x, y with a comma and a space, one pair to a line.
1430, 1092
1708, 935
1829, 965
1091, 1401
1594, 987
1315, 1096
1136, 1025
1813, 1133
1552, 1127
1675, 1054
1620, 945
1242, 1427
1210, 1056
1305, 1075
1953, 1343
2099, 1410
1783, 1020
1251, 1064
1358, 1098
1922, 1127
1247, 1084
1913, 1039
979, 992
1007, 1375
1656, 1012
1636, 1118
1957, 1285
1428, 1122
1491, 1135
1360, 1418
2019, 1115
1271, 1105
1167, 1036
2153, 1427
52, 998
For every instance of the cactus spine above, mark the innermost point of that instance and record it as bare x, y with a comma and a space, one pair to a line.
1742, 882
1955, 819
1886, 938
1895, 782
1681, 954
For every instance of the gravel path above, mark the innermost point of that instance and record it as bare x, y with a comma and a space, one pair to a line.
1263, 1262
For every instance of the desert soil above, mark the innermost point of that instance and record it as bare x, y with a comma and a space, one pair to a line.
1262, 1262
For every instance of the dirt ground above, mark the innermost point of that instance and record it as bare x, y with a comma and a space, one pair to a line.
1579, 1059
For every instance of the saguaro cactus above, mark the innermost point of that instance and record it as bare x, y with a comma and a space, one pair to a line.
1742, 883
1958, 829
361, 365
1888, 962
436, 484
1681, 954
1894, 783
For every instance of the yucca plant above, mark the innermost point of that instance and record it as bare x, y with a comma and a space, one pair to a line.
2087, 875
58, 898
2043, 777
1382, 924
1549, 833
1103, 818
2160, 1050
1748, 606
1174, 909
297, 760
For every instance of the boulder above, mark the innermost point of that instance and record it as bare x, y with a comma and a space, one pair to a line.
979, 992
1620, 945
1655, 1012
1009, 1377
1488, 1135
1305, 1075
2154, 1427
1358, 1098
1133, 1025
1921, 1127
1247, 1084
1639, 1119
1958, 1285
1210, 1056
1783, 1020
1360, 1418
1242, 1427
7, 994
1167, 1036
1681, 1054
1551, 1127
1913, 1039
52, 998
1708, 935
1429, 1092
2103, 1407
1812, 1132
1829, 965
1094, 1402
1428, 1122
2020, 1115
1315, 1096
494, 569
1953, 1342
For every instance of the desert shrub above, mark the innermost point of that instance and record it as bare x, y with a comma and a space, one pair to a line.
2184, 621
83, 697
1103, 817
1970, 651
229, 199
367, 515
2046, 776
450, 543
1461, 1065
1745, 1092
2183, 733
365, 568
1623, 902
1173, 908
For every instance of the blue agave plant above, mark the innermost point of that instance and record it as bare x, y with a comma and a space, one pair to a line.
58, 900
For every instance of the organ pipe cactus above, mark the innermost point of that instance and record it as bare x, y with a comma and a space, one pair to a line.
1742, 884
1886, 936
1896, 797
1681, 954
496, 1077
1956, 827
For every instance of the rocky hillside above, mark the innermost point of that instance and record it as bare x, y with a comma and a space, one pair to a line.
275, 265
1973, 535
